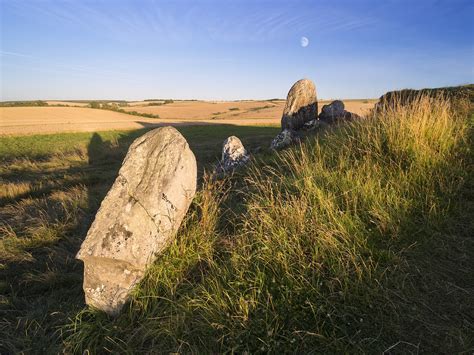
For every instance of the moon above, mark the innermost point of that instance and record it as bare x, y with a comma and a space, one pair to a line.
304, 41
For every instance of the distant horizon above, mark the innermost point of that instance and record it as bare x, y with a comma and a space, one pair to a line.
181, 99
228, 100
210, 50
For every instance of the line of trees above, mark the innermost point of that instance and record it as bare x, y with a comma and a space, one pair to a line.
117, 108
23, 103
160, 103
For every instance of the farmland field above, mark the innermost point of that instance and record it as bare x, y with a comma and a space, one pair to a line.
67, 103
234, 110
50, 119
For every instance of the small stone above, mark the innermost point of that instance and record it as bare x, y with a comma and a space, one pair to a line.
313, 125
234, 155
335, 111
332, 112
348, 116
284, 139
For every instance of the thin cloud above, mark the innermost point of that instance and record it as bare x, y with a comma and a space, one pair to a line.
123, 21
15, 54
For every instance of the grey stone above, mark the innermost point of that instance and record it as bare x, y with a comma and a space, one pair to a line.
139, 216
301, 105
350, 116
314, 125
284, 139
234, 155
333, 111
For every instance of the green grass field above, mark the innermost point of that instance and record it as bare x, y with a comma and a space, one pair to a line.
359, 240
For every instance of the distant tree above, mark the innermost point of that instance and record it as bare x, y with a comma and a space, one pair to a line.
23, 103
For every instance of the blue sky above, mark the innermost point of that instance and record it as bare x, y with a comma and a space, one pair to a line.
231, 49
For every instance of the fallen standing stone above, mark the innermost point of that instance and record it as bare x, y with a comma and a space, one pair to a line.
138, 218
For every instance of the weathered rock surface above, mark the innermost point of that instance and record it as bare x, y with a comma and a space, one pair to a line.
301, 105
234, 155
284, 139
138, 217
314, 125
351, 116
335, 111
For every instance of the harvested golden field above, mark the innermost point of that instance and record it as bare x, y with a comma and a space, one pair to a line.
33, 120
38, 120
232, 109
67, 103
212, 109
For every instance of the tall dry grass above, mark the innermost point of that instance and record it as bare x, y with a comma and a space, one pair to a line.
307, 249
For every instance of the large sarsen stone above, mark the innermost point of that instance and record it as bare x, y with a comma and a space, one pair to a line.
139, 216
301, 105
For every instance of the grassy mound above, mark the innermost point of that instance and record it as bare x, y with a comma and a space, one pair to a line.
457, 95
359, 240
